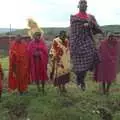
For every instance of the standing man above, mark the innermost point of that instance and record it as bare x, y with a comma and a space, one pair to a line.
82, 45
60, 61
106, 70
19, 66
38, 56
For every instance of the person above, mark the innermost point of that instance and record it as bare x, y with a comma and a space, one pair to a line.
18, 66
38, 56
106, 70
60, 61
82, 45
1, 78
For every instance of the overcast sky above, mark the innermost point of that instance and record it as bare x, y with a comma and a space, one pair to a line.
55, 12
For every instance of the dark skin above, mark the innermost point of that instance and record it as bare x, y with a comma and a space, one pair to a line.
106, 87
82, 6
37, 37
63, 36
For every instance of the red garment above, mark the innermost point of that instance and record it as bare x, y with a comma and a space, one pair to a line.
38, 65
106, 71
82, 15
18, 57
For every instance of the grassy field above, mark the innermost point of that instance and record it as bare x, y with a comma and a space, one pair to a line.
4, 63
74, 105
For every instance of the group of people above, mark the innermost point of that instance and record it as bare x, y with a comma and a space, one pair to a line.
102, 61
29, 63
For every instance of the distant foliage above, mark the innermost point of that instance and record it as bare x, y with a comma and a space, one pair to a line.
55, 30
111, 28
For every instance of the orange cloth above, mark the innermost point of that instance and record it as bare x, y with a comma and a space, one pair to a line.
18, 67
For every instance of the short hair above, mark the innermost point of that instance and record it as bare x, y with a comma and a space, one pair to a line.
82, 0
62, 31
37, 34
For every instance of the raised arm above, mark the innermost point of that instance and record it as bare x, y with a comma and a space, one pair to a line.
95, 27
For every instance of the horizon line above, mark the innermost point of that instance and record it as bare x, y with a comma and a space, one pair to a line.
54, 26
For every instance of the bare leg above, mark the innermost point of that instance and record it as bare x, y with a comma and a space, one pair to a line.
108, 88
21, 93
60, 88
0, 95
63, 88
83, 87
104, 88
38, 85
80, 79
43, 86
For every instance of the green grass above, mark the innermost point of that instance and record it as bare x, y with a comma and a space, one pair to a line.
5, 64
74, 105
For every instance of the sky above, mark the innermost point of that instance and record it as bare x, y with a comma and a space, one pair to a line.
55, 13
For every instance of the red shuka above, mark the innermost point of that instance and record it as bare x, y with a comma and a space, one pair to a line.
18, 57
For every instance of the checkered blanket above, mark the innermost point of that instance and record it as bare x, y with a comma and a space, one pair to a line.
83, 51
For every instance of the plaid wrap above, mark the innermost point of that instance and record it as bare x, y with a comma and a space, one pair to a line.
82, 46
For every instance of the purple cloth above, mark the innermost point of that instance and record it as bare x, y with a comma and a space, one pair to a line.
38, 65
106, 70
82, 47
